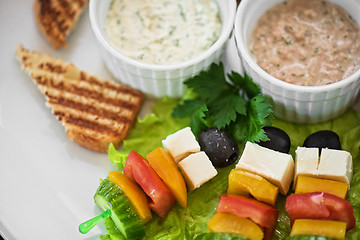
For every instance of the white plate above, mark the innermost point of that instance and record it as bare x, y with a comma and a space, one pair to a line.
47, 182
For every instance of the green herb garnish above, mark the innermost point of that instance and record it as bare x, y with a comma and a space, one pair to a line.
287, 42
234, 104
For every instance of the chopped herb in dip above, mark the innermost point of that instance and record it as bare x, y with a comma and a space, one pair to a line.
308, 42
162, 31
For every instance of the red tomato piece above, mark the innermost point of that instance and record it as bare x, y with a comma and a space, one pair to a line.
139, 170
320, 205
261, 213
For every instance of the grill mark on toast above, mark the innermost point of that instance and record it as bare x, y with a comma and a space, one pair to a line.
110, 85
83, 100
95, 134
58, 67
51, 67
66, 9
52, 21
57, 18
61, 86
71, 119
42, 62
67, 111
100, 112
86, 123
60, 11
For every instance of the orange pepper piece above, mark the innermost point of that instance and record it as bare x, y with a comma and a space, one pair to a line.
242, 182
230, 223
334, 229
136, 196
307, 184
166, 168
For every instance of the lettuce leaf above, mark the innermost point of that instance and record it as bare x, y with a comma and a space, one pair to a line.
147, 134
192, 222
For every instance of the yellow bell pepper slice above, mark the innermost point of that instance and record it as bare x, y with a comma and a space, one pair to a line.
166, 168
230, 223
243, 183
334, 229
136, 196
307, 184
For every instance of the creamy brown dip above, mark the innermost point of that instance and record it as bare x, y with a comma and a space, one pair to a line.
307, 42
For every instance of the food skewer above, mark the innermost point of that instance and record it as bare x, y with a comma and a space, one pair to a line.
86, 226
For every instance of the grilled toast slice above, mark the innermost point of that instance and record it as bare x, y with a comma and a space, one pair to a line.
94, 112
57, 18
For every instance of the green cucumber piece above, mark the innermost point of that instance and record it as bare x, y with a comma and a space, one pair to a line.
220, 236
123, 213
310, 237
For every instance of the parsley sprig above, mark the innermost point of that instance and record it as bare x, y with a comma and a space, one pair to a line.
235, 105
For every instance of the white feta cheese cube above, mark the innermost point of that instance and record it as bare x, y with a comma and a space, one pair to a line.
333, 164
276, 167
336, 165
180, 144
306, 162
197, 169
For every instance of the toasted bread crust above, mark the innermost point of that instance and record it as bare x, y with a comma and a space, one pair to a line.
94, 112
57, 18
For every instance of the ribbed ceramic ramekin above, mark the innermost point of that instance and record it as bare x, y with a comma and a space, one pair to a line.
301, 104
158, 80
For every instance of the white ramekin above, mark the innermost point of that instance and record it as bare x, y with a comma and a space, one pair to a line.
301, 104
158, 80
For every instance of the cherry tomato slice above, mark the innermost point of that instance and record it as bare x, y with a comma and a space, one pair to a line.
246, 207
320, 205
139, 170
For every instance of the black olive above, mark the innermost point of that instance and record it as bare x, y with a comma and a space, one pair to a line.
279, 140
219, 146
323, 139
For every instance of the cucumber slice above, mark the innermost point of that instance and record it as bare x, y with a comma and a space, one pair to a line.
124, 215
310, 237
